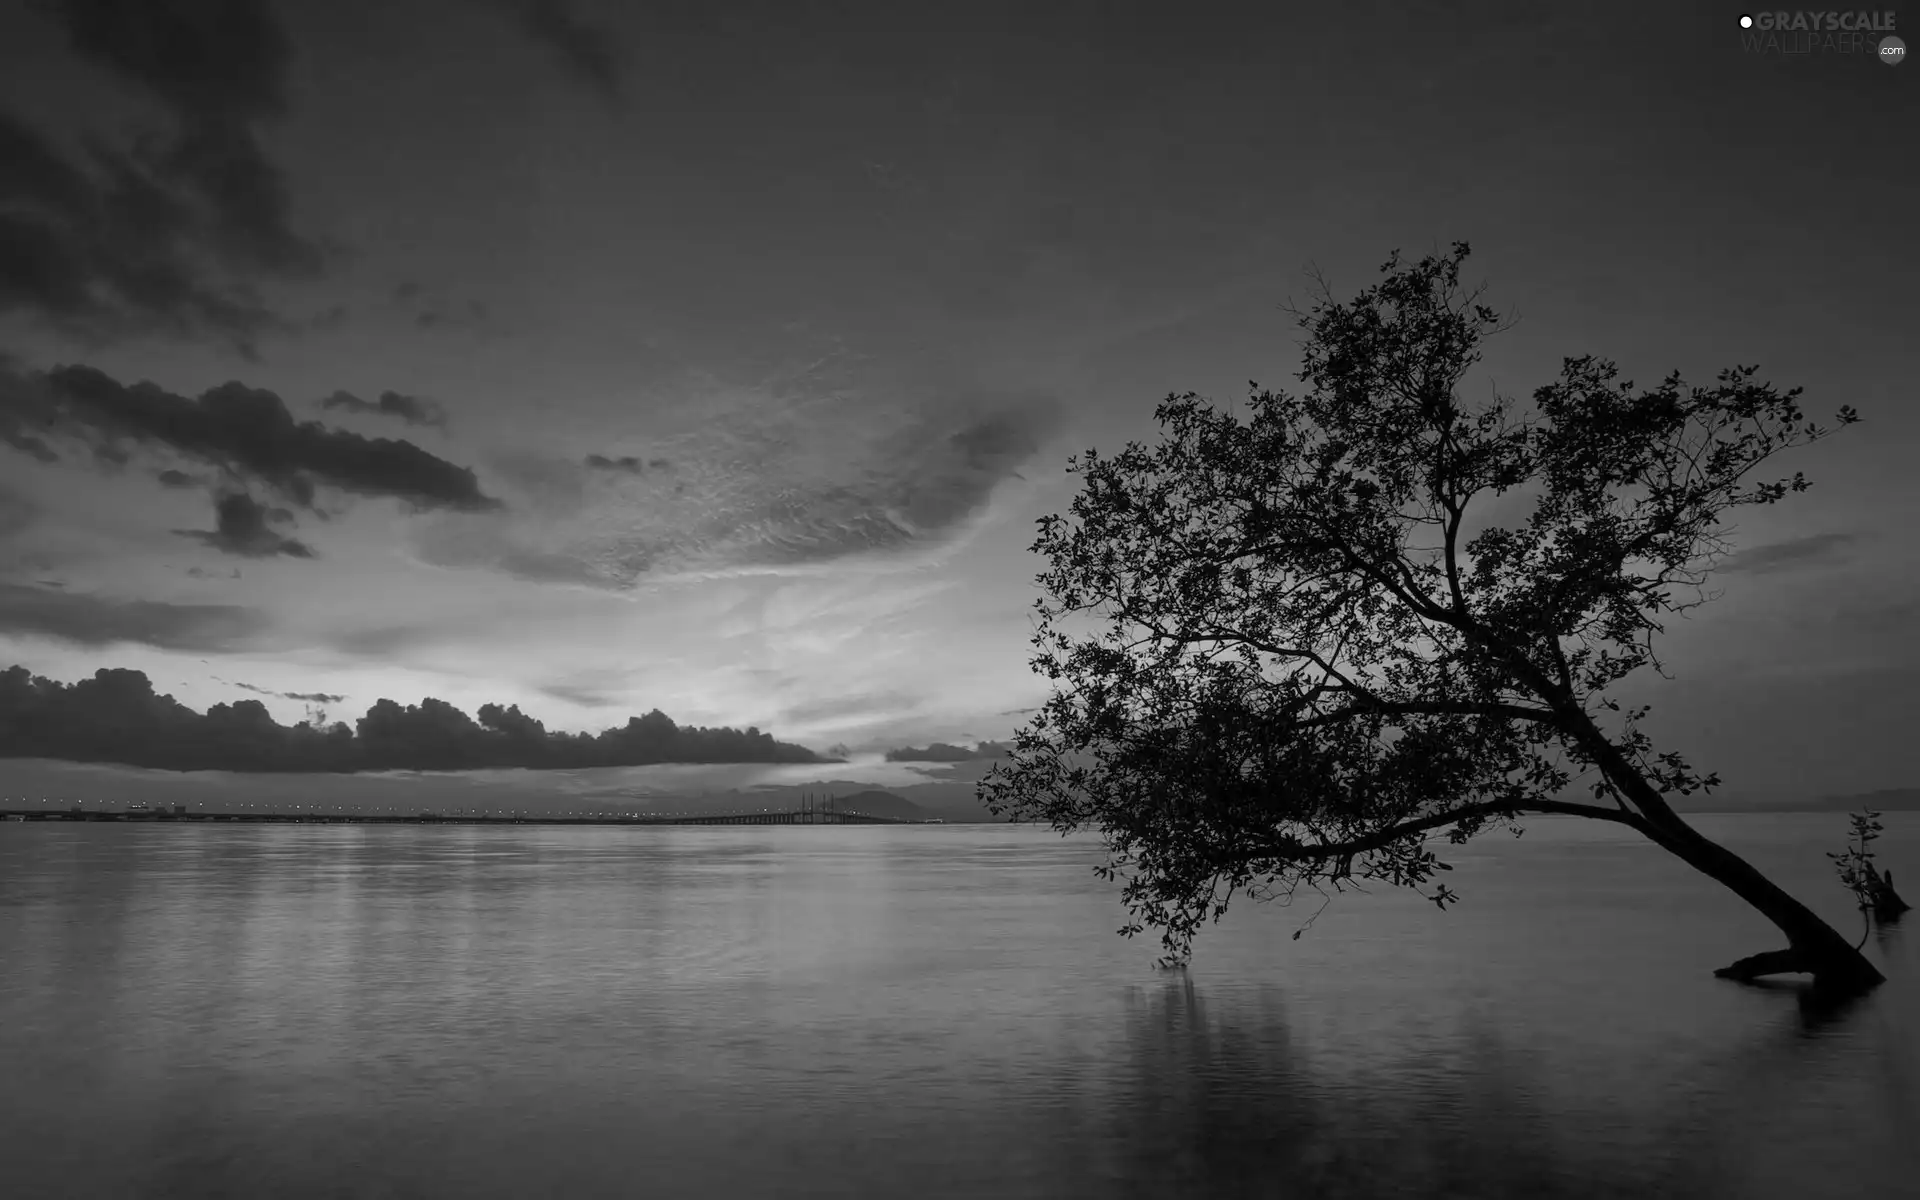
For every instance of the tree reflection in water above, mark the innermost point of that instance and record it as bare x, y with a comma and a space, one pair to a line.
1219, 1100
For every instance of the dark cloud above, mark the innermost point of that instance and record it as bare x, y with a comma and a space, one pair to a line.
170, 233
1782, 555
628, 463
243, 529
117, 717
246, 432
956, 477
314, 697
585, 697
27, 444
176, 479
414, 410
89, 620
220, 67
941, 752
586, 51
304, 697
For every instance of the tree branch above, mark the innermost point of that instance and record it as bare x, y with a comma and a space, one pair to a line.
1429, 708
1382, 838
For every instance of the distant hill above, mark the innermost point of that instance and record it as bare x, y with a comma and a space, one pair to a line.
952, 803
1885, 800
881, 804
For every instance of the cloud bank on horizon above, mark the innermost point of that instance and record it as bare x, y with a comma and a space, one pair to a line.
117, 717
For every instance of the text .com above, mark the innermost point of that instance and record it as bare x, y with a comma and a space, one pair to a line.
1792, 34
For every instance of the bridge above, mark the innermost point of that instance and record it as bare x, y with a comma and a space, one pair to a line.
796, 817
813, 810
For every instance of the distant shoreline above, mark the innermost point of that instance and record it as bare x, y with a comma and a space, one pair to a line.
122, 817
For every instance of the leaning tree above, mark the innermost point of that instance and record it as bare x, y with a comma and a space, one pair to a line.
1290, 648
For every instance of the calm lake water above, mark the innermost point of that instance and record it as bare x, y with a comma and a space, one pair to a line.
916, 1012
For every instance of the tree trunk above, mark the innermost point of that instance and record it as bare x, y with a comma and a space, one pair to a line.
1813, 947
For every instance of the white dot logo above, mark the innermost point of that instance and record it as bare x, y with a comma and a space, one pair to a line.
1746, 22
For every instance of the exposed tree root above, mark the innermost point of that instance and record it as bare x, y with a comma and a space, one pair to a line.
1771, 962
1847, 975
1887, 904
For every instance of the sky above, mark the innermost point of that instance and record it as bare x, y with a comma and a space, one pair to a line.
595, 358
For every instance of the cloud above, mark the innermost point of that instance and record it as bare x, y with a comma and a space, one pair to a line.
941, 752
89, 620
242, 530
581, 694
781, 477
176, 479
117, 717
628, 463
586, 51
1783, 555
304, 697
247, 432
27, 444
169, 234
414, 410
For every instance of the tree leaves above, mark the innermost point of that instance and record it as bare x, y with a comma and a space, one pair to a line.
1855, 866
1280, 659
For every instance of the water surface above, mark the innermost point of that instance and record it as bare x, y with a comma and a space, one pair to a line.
943, 1011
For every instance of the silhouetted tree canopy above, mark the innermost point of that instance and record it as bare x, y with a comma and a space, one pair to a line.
117, 717
1282, 655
